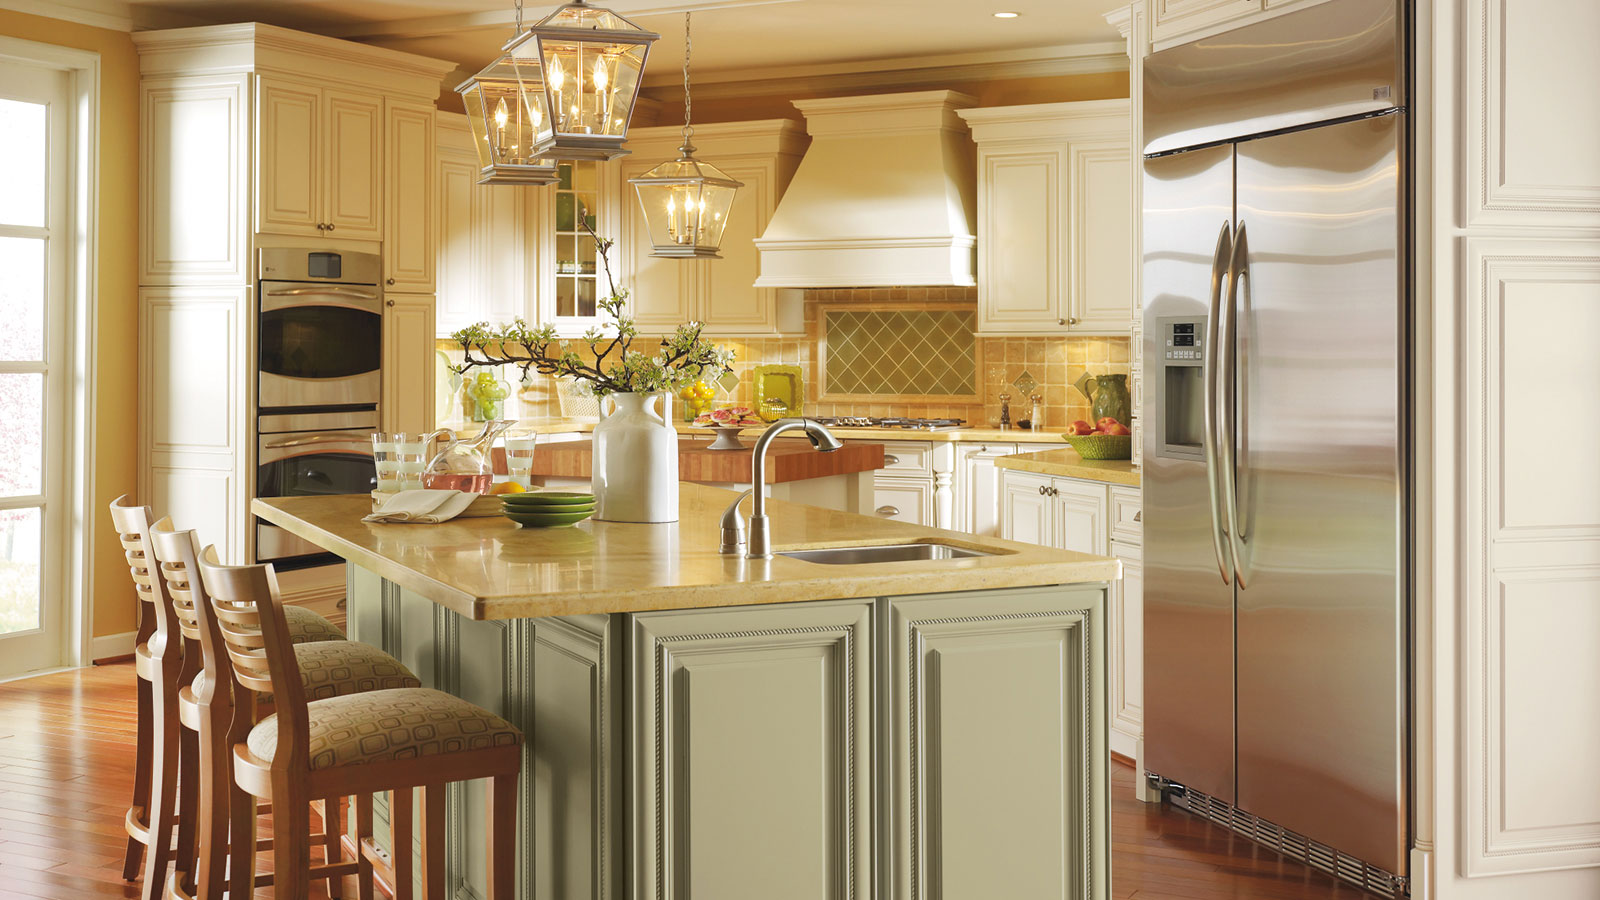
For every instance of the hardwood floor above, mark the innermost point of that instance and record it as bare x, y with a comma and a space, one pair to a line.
66, 741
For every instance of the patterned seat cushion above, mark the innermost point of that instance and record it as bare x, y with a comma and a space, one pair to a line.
336, 668
388, 725
307, 627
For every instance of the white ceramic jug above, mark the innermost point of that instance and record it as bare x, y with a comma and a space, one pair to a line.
635, 470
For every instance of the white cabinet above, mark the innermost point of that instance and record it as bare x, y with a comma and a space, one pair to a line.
320, 166
1175, 22
1125, 650
904, 499
1080, 515
409, 256
1055, 228
918, 483
408, 363
1027, 513
977, 487
719, 293
486, 264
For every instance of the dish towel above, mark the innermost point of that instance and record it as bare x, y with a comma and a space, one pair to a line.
428, 507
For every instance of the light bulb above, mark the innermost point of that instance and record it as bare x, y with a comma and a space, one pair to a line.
500, 113
557, 77
600, 75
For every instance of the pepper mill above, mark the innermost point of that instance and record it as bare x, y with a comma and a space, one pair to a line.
1036, 412
1005, 410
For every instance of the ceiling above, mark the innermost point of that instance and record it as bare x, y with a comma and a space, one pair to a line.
760, 37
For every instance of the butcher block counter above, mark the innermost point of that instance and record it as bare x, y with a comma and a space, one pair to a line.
787, 461
778, 728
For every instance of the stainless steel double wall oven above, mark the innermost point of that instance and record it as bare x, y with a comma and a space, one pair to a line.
319, 381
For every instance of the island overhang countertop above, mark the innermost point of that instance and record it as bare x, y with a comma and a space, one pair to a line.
491, 568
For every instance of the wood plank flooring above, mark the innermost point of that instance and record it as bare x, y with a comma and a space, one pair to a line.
66, 745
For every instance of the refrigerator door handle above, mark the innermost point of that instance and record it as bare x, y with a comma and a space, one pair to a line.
1230, 417
1209, 364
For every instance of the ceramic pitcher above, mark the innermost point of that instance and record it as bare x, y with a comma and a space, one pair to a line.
635, 469
1109, 394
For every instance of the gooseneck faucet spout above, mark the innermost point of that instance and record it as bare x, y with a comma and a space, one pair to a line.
760, 537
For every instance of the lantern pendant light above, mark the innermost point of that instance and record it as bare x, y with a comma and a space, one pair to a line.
686, 202
592, 63
506, 109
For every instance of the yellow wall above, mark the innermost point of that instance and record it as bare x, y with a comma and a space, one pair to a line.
114, 367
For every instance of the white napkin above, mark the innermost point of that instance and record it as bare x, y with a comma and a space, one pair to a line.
429, 507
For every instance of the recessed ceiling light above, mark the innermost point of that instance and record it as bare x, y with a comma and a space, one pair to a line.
1006, 15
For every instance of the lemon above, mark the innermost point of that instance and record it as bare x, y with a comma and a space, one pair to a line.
507, 487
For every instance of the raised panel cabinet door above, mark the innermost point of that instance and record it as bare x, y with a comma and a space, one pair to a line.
977, 487
1125, 651
1102, 238
289, 159
195, 180
500, 253
1027, 512
353, 185
408, 363
998, 745
1081, 515
663, 292
751, 758
409, 257
1022, 202
1173, 21
903, 499
729, 301
456, 264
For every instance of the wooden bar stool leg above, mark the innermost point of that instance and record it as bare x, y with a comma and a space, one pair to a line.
363, 835
291, 839
332, 827
502, 837
433, 858
163, 791
402, 854
212, 826
188, 807
134, 857
241, 843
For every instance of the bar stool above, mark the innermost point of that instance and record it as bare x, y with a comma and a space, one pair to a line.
387, 740
215, 714
162, 665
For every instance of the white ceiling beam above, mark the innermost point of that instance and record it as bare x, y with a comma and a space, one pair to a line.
432, 26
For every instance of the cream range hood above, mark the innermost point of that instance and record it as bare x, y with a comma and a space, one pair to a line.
884, 196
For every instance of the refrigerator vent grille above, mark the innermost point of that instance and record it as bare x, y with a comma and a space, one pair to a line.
1298, 847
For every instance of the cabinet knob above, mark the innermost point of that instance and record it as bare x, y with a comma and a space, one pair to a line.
330, 226
322, 226
389, 281
1139, 516
1055, 492
1042, 490
1061, 321
389, 302
1071, 320
888, 511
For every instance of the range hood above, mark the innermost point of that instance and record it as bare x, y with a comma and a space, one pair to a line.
884, 196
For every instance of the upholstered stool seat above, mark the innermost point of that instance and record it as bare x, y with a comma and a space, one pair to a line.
307, 627
385, 725
332, 668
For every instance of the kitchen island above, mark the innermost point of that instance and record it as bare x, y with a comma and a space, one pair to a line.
706, 726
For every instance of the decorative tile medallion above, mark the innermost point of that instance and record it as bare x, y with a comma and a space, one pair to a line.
919, 352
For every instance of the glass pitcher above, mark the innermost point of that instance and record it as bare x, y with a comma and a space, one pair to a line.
466, 464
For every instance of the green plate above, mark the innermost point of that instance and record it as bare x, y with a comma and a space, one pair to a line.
542, 499
548, 519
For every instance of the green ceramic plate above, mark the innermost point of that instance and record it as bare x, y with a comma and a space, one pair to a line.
544, 499
548, 519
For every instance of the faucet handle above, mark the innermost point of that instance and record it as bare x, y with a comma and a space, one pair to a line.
733, 530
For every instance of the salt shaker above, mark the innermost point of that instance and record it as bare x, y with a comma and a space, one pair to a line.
1036, 412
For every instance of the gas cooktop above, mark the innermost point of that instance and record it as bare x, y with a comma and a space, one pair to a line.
892, 422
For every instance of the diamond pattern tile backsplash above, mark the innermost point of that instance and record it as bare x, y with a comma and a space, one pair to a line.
913, 352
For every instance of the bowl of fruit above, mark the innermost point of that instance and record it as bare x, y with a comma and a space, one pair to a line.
696, 400
728, 422
1106, 439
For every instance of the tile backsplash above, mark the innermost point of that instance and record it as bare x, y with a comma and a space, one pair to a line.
946, 357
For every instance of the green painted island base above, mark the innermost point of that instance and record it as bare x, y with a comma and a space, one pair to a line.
942, 745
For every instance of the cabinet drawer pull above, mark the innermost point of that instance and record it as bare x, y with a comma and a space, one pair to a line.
889, 459
888, 512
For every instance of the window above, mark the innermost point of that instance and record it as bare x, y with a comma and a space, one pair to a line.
577, 196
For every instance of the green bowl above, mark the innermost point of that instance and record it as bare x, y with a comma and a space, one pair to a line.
548, 519
1102, 446
545, 499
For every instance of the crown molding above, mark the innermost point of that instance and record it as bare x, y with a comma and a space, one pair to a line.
899, 74
432, 26
112, 15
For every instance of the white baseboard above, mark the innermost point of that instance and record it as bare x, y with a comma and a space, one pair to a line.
1124, 743
109, 646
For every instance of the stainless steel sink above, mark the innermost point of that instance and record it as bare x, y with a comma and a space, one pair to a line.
855, 556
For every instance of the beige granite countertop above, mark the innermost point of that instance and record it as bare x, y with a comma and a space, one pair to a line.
1065, 462
1009, 435
490, 568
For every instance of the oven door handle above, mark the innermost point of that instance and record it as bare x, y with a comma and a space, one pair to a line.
347, 298
314, 439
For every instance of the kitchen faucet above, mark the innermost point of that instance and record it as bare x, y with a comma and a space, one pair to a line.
760, 538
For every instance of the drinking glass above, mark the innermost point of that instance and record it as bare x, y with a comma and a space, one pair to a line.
519, 458
412, 450
386, 456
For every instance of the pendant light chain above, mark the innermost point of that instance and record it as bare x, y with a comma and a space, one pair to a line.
519, 17
688, 103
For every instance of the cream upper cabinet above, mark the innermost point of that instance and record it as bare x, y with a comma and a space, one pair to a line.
409, 254
1175, 22
320, 169
407, 386
485, 250
1055, 225
720, 293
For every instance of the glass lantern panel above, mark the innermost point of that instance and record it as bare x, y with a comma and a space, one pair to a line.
590, 17
590, 86
719, 204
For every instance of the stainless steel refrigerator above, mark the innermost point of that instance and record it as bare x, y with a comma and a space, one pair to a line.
1275, 459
